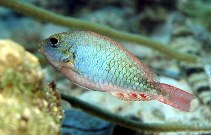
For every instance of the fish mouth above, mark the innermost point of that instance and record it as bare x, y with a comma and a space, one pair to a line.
57, 65
41, 51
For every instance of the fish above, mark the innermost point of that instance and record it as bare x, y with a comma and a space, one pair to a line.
98, 63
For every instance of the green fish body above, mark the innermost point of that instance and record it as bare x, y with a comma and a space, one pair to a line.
99, 63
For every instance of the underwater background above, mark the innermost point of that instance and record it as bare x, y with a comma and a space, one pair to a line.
173, 39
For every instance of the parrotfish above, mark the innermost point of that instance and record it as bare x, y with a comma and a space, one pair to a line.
96, 62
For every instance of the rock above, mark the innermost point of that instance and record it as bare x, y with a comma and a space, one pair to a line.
152, 19
184, 43
77, 122
200, 33
65, 7
96, 4
27, 106
14, 56
197, 11
106, 16
208, 70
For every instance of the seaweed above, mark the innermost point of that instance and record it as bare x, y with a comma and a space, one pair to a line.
44, 15
131, 124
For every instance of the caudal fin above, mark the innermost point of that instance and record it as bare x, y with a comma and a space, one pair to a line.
175, 97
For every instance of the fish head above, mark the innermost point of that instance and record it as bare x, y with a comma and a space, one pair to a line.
57, 49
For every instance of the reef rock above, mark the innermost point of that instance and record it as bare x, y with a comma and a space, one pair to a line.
14, 56
27, 106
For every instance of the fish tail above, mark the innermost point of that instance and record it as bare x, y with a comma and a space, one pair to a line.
174, 97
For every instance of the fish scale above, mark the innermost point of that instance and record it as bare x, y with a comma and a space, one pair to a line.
113, 59
97, 62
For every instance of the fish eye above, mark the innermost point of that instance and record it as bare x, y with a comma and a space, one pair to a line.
54, 41
73, 55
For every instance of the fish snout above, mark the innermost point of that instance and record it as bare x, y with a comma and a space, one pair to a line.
40, 44
41, 51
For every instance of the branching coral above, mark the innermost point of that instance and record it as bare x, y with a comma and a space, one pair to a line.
44, 15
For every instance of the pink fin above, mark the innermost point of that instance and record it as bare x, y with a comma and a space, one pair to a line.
175, 97
130, 96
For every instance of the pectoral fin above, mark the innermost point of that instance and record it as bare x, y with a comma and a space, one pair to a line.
70, 64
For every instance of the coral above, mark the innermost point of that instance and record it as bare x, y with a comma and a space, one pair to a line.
26, 105
45, 15
14, 56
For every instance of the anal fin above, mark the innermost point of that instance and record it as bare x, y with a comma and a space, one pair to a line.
135, 96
